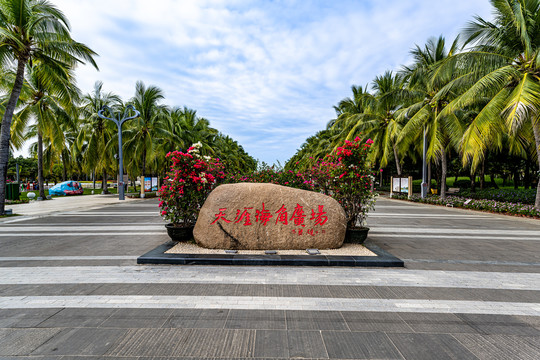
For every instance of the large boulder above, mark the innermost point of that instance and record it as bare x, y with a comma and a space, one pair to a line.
268, 216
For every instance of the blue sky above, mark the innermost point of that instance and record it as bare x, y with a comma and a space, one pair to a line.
266, 73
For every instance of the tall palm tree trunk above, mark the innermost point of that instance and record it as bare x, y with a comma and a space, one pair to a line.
64, 165
104, 189
40, 165
5, 135
536, 131
443, 174
396, 157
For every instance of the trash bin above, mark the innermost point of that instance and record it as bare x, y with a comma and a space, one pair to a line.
12, 191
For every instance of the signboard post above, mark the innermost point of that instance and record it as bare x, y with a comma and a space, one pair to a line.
401, 185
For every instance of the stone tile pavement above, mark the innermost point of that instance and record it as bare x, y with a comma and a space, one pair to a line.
70, 289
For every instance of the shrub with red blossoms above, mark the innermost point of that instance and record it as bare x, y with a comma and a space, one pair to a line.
352, 180
190, 180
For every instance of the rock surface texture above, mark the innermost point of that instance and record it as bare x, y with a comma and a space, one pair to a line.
267, 216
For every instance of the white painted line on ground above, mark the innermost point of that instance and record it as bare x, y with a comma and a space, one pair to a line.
112, 227
441, 230
420, 216
274, 303
454, 236
473, 262
155, 212
94, 225
73, 233
101, 215
66, 258
152, 274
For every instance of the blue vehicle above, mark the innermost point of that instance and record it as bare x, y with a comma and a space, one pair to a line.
66, 188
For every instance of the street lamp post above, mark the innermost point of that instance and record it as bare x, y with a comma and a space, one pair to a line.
424, 186
119, 123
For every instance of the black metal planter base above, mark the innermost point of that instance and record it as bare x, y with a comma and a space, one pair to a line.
158, 256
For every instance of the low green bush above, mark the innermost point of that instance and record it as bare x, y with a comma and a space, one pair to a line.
477, 204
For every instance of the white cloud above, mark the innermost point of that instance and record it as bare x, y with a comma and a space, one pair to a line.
265, 73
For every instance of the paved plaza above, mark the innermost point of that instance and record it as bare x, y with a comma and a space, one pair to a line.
70, 289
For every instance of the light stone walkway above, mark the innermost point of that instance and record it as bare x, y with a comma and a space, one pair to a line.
271, 303
67, 203
268, 275
69, 287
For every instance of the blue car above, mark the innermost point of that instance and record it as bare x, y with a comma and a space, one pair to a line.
66, 188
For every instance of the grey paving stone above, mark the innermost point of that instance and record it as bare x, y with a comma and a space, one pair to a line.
306, 344
403, 292
315, 320
218, 343
362, 292
256, 319
436, 323
534, 321
120, 289
24, 318
359, 345
258, 290
137, 318
501, 347
499, 324
78, 317
83, 341
306, 291
271, 344
375, 321
47, 289
430, 346
197, 318
23, 341
195, 343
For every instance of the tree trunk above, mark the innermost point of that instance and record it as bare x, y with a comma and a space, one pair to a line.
94, 178
536, 131
104, 189
492, 177
527, 178
473, 181
516, 178
40, 165
144, 163
64, 165
443, 174
396, 157
482, 171
5, 135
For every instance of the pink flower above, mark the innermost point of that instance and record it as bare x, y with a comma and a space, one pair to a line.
369, 141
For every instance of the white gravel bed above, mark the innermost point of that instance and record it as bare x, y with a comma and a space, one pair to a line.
346, 249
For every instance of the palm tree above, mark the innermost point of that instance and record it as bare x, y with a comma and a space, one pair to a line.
48, 99
143, 132
503, 61
188, 129
379, 120
348, 111
429, 85
32, 30
97, 132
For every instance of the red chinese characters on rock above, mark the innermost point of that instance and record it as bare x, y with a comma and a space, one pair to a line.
263, 216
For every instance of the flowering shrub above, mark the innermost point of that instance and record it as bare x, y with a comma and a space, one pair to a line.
484, 205
190, 180
352, 179
344, 175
